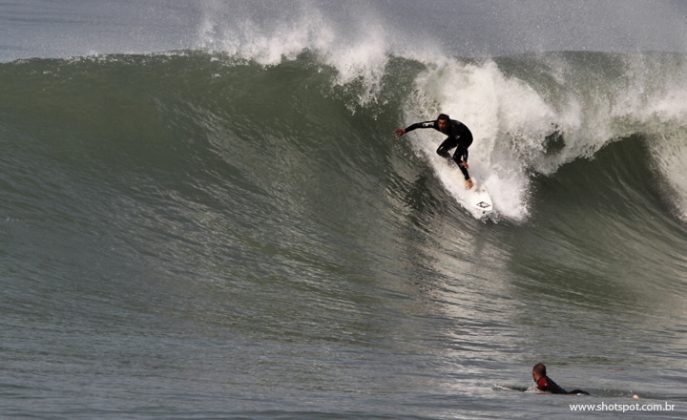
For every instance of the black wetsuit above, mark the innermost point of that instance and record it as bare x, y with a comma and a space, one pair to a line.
548, 385
459, 136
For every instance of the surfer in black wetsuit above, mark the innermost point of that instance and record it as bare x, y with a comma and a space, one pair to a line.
546, 384
459, 136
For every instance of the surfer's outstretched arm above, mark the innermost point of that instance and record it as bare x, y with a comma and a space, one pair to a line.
424, 124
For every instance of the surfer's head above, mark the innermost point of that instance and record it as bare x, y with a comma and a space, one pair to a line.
442, 121
538, 371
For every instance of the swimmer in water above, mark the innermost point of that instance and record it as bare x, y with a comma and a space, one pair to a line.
546, 384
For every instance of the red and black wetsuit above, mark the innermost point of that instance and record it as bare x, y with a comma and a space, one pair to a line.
548, 385
459, 136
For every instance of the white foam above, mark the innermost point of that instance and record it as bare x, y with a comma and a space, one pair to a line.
505, 116
510, 121
266, 46
661, 115
360, 53
670, 156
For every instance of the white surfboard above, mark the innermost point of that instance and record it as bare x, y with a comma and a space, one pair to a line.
476, 200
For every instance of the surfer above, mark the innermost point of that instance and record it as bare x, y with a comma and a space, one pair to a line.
546, 384
459, 136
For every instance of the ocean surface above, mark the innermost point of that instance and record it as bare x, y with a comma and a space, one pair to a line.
204, 213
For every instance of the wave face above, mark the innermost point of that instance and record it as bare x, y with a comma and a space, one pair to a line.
238, 231
531, 115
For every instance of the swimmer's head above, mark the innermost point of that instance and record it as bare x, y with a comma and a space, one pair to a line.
538, 371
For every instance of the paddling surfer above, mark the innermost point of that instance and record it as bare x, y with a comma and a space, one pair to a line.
546, 384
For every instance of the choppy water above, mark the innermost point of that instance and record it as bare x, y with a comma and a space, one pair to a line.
216, 232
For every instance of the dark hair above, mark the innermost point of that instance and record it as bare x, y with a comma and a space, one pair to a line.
540, 369
443, 117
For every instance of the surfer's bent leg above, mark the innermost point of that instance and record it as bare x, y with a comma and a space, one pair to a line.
460, 156
445, 146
